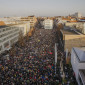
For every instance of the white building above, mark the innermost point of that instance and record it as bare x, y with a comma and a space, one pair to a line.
81, 27
11, 20
77, 15
78, 64
24, 28
10, 34
48, 24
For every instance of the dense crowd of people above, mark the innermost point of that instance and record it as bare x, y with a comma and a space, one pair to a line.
32, 64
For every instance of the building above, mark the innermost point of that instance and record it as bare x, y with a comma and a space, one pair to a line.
25, 28
78, 64
11, 20
2, 23
48, 24
10, 34
64, 20
76, 15
72, 38
68, 19
31, 19
79, 26
70, 24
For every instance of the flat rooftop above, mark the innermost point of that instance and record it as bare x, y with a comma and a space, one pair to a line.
69, 31
1, 27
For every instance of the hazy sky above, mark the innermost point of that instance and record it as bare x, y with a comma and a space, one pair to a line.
41, 7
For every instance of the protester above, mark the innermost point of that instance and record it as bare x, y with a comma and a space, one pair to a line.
32, 64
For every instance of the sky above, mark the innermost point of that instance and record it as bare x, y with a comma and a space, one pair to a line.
41, 7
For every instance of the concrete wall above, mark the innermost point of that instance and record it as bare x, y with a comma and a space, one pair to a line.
9, 37
74, 62
76, 65
25, 28
73, 41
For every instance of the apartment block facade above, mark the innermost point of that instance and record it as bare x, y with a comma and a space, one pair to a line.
48, 24
10, 34
31, 19
78, 64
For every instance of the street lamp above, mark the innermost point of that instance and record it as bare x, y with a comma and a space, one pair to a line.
55, 56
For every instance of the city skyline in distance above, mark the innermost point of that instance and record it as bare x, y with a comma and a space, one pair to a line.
41, 7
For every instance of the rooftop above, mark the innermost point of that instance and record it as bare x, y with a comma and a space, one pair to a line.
1, 27
66, 19
68, 31
80, 52
2, 23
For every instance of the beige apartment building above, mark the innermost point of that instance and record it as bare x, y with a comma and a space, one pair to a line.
72, 39
31, 19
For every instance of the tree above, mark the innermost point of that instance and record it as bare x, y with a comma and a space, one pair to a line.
13, 50
26, 37
21, 39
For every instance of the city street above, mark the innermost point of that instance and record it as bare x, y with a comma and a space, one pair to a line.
42, 42
31, 64
34, 63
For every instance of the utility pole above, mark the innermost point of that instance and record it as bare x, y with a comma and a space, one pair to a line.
55, 57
